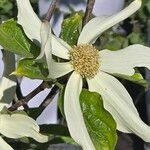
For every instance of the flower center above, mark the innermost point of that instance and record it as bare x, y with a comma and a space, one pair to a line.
85, 60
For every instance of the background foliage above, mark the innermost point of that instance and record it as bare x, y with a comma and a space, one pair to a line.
131, 31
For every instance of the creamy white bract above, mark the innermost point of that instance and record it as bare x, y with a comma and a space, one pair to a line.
116, 98
17, 126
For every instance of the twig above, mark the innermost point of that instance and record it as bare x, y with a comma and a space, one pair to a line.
19, 95
51, 10
88, 12
27, 98
49, 97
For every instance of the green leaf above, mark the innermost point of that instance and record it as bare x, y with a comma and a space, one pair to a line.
5, 5
34, 112
60, 133
54, 129
148, 6
136, 78
115, 43
137, 38
62, 139
100, 124
32, 69
71, 28
13, 39
61, 100
33, 145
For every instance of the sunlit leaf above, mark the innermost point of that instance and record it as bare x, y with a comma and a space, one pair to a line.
100, 124
32, 69
71, 28
13, 39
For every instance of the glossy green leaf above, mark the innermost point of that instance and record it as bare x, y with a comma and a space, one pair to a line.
32, 69
136, 78
71, 28
13, 39
100, 124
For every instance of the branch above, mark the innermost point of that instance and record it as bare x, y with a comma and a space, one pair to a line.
50, 97
27, 98
19, 95
51, 10
88, 12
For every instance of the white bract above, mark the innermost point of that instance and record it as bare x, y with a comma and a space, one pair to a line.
101, 7
17, 126
84, 61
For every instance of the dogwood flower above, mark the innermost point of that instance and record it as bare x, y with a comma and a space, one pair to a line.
85, 61
17, 126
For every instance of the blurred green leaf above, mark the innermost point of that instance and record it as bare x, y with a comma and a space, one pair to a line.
115, 43
71, 28
13, 39
147, 4
62, 139
100, 124
137, 38
6, 5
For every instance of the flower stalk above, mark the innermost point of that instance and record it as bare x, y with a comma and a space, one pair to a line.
88, 12
51, 10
